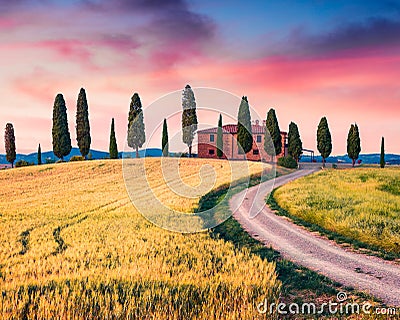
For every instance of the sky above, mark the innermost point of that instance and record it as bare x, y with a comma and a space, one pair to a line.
305, 59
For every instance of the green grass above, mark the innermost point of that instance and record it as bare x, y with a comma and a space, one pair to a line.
357, 207
299, 284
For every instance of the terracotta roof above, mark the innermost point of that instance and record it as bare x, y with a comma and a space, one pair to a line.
232, 129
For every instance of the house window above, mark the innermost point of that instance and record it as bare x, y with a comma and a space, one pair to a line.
256, 151
211, 138
258, 138
211, 151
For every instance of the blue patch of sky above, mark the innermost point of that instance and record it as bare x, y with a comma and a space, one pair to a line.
243, 20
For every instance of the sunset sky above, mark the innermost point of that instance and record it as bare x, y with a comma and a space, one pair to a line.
306, 59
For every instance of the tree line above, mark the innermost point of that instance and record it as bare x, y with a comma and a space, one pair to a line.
136, 137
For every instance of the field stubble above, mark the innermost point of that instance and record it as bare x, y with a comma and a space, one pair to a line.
73, 246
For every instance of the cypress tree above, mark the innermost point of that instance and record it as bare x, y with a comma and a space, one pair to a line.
136, 133
113, 149
82, 124
353, 143
9, 141
382, 160
189, 117
220, 141
324, 140
164, 142
272, 128
244, 133
39, 155
295, 146
61, 137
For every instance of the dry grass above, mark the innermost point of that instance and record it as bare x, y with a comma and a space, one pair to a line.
73, 246
361, 204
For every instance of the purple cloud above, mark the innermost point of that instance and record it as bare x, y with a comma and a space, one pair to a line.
373, 34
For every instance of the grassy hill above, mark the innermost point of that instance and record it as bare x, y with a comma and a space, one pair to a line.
73, 246
359, 206
32, 157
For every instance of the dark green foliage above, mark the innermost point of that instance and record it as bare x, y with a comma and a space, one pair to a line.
9, 141
136, 133
382, 159
287, 162
391, 186
220, 141
244, 134
61, 137
76, 158
164, 142
353, 143
324, 140
189, 117
113, 149
273, 139
82, 124
23, 163
295, 146
39, 155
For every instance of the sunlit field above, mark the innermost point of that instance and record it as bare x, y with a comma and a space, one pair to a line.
361, 204
73, 246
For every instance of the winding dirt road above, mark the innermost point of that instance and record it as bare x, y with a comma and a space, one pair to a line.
366, 273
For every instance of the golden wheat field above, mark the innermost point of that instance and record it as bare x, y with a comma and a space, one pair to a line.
361, 204
74, 247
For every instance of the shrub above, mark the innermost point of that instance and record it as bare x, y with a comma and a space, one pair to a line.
50, 160
76, 158
287, 162
23, 163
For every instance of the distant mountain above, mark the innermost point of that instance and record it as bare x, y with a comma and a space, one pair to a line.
32, 157
373, 158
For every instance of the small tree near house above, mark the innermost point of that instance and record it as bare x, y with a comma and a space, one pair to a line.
244, 132
273, 139
295, 145
220, 141
189, 117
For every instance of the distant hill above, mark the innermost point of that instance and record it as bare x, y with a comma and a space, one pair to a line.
32, 157
372, 158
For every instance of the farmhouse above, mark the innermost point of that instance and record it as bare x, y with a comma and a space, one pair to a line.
207, 143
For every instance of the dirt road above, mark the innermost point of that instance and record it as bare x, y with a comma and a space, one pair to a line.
366, 273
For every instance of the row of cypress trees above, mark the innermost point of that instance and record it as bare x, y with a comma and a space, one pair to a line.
61, 136
273, 143
136, 131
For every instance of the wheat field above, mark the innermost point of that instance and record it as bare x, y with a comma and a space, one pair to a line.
74, 247
361, 204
